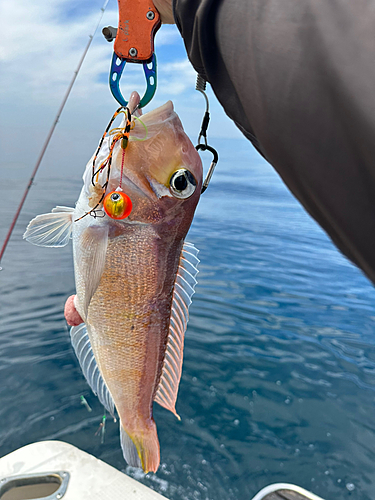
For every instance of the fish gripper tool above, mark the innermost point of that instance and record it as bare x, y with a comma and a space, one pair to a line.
134, 43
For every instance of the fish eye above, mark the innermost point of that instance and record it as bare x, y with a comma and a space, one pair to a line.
182, 184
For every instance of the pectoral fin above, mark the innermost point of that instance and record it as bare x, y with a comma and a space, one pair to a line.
90, 256
51, 230
166, 393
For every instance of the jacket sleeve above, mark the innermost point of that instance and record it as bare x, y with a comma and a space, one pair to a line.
298, 79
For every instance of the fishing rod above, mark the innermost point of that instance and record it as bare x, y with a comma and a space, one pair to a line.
50, 133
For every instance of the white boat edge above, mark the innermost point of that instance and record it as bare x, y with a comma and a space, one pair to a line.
90, 478
273, 488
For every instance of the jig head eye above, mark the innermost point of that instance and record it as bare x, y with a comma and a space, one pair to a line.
117, 205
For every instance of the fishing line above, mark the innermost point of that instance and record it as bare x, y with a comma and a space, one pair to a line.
146, 131
123, 136
122, 167
50, 133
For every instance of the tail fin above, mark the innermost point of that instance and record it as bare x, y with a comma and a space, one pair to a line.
141, 449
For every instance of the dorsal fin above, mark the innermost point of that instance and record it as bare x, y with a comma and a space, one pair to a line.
82, 348
166, 393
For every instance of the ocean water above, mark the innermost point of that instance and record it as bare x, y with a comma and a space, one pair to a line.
278, 382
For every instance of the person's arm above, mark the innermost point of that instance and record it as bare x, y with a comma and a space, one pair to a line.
165, 10
298, 79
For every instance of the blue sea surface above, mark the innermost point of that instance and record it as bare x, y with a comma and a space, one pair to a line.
278, 382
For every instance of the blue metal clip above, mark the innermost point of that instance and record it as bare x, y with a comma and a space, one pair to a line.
117, 67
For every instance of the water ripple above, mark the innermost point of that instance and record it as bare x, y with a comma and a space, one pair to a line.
279, 372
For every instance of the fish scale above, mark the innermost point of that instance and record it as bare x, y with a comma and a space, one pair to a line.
135, 334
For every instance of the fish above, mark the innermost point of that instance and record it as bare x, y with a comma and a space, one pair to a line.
135, 275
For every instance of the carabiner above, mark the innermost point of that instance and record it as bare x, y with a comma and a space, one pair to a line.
205, 147
117, 67
201, 87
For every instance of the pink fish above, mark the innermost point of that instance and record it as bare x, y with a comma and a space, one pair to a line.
134, 276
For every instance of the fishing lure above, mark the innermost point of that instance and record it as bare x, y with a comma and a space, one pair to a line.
116, 204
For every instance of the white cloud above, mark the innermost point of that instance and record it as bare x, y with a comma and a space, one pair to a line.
40, 49
41, 52
177, 77
167, 36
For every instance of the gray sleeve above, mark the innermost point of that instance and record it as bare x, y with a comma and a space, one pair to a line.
298, 79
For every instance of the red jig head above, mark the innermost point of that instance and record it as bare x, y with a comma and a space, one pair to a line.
117, 205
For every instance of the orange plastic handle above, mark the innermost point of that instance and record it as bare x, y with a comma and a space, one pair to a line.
138, 22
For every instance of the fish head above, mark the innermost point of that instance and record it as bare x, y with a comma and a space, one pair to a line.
160, 171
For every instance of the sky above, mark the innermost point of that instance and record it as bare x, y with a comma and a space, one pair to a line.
41, 45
